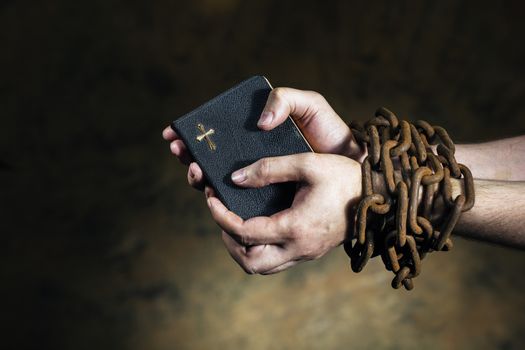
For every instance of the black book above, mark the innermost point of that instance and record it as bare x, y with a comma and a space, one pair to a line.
222, 136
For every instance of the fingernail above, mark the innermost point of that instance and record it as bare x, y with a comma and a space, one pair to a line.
209, 202
192, 173
266, 119
239, 176
174, 148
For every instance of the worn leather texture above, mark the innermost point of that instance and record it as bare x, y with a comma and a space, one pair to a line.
233, 116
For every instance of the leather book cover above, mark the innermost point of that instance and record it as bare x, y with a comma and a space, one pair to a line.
222, 136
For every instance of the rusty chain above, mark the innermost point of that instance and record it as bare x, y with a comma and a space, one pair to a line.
397, 226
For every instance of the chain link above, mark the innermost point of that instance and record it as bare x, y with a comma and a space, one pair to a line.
397, 226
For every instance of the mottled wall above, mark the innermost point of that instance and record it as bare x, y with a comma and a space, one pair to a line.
105, 247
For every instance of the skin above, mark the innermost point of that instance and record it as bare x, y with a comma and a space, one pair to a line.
330, 187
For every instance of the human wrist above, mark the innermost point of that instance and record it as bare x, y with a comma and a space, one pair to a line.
356, 151
396, 217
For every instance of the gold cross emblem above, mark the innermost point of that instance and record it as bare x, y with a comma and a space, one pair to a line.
206, 136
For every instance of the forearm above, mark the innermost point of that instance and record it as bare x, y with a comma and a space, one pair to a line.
495, 160
498, 215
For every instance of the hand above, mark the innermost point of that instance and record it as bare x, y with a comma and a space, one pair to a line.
319, 219
178, 148
323, 128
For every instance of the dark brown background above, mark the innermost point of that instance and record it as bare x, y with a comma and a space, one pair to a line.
103, 244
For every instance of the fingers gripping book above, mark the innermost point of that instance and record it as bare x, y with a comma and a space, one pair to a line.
222, 136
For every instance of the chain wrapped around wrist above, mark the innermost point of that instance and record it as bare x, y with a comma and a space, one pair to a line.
397, 226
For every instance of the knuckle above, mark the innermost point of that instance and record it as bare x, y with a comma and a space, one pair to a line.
309, 162
245, 240
250, 269
310, 158
316, 97
278, 93
293, 234
297, 230
263, 170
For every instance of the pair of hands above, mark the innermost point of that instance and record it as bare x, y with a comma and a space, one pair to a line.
329, 187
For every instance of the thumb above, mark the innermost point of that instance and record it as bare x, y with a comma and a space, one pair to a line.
265, 171
283, 102
321, 126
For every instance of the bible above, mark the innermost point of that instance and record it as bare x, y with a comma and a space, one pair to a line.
222, 136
